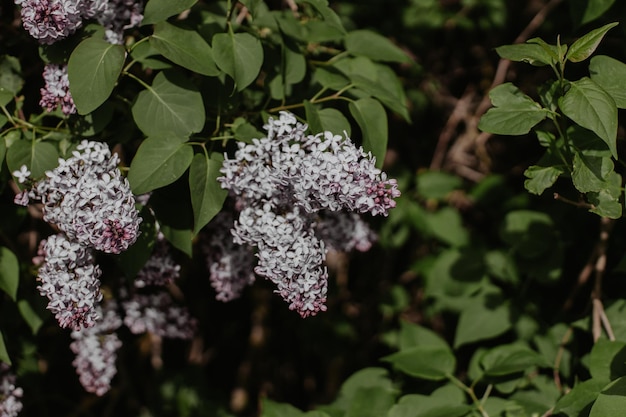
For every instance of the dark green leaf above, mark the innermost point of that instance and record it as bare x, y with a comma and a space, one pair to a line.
585, 11
374, 46
447, 226
509, 359
244, 130
184, 47
159, 161
38, 156
372, 119
173, 104
587, 44
612, 400
436, 184
415, 405
541, 178
239, 55
333, 120
173, 212
30, 316
425, 362
4, 355
500, 264
607, 360
530, 233
9, 272
370, 402
11, 80
577, 402
610, 74
94, 122
412, 335
160, 10
93, 69
482, 320
606, 201
270, 408
312, 118
207, 196
590, 172
514, 113
525, 52
587, 104
330, 78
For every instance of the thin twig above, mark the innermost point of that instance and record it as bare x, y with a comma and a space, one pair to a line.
599, 319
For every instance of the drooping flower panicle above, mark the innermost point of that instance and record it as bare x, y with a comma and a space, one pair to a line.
10, 394
283, 183
56, 91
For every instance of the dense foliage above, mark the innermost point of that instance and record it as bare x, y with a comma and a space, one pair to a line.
309, 207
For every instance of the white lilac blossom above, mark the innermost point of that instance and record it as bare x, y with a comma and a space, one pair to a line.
22, 175
10, 394
344, 232
230, 265
56, 91
96, 351
160, 269
158, 314
69, 278
117, 16
282, 184
49, 21
87, 198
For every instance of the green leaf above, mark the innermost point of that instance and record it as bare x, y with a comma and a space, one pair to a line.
372, 119
610, 74
159, 161
585, 11
38, 156
207, 196
425, 362
184, 47
500, 264
94, 122
541, 178
312, 118
482, 320
530, 53
446, 225
607, 360
4, 355
11, 80
333, 120
577, 402
612, 400
30, 316
245, 131
530, 233
606, 201
172, 208
412, 335
331, 78
9, 272
437, 184
587, 44
173, 104
509, 359
374, 46
370, 402
271, 408
92, 70
159, 10
514, 113
416, 405
240, 55
587, 104
590, 172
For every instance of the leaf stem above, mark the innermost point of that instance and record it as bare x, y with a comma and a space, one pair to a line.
470, 391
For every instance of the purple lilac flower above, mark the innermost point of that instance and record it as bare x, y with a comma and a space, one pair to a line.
117, 16
160, 269
344, 232
70, 279
230, 265
282, 183
96, 351
158, 314
88, 199
56, 91
10, 395
50, 20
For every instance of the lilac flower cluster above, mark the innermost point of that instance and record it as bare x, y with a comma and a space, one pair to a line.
158, 314
230, 265
160, 269
49, 21
10, 394
283, 184
96, 351
70, 279
56, 91
86, 198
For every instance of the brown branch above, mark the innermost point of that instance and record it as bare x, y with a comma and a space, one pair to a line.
599, 318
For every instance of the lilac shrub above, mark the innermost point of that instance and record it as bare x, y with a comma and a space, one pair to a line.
283, 184
10, 394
